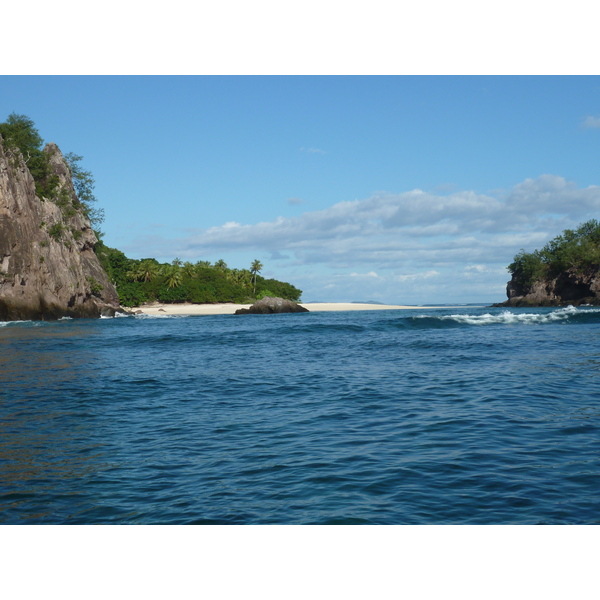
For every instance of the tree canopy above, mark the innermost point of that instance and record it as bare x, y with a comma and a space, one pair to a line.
147, 280
19, 132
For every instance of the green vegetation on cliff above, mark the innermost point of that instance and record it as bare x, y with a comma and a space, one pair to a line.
19, 133
577, 250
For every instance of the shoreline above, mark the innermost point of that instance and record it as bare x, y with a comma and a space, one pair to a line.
230, 308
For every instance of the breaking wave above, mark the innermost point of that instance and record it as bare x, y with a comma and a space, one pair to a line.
570, 314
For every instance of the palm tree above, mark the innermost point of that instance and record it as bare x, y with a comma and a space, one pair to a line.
189, 270
221, 265
240, 277
255, 269
133, 274
172, 273
147, 270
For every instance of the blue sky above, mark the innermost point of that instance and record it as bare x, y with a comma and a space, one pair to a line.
400, 189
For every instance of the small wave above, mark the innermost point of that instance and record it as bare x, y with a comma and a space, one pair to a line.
8, 323
146, 316
507, 317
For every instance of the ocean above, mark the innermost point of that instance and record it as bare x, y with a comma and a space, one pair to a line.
455, 415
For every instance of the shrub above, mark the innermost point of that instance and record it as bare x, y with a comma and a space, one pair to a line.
56, 231
95, 287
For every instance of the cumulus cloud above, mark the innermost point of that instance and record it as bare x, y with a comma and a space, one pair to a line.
394, 226
416, 240
295, 201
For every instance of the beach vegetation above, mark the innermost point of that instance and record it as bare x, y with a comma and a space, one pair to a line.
255, 269
147, 280
575, 250
173, 275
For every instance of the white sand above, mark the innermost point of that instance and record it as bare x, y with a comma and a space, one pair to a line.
229, 309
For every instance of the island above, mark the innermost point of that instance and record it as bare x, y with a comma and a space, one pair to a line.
566, 271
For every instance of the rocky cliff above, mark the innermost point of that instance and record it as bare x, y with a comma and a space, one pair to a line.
48, 268
569, 287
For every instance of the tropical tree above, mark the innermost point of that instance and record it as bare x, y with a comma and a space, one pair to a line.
84, 183
221, 265
148, 270
133, 274
189, 270
255, 269
241, 277
172, 274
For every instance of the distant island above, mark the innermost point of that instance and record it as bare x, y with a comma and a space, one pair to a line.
565, 271
53, 262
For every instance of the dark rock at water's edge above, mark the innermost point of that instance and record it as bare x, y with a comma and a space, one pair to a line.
269, 305
571, 287
48, 268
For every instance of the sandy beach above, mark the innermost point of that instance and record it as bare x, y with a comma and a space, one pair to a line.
229, 309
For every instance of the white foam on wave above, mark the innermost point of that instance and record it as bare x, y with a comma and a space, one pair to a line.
147, 316
507, 317
31, 323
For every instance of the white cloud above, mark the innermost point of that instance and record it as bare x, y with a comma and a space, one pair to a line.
591, 122
370, 274
429, 244
415, 276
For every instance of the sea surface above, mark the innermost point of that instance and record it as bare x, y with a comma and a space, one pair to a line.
459, 415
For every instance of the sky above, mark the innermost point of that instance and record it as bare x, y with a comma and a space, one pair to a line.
397, 189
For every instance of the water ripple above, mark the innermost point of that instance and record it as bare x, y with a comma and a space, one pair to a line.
377, 417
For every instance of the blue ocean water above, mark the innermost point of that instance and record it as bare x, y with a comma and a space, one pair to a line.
428, 416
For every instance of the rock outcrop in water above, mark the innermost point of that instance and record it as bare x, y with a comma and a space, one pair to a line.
565, 271
570, 287
48, 268
270, 305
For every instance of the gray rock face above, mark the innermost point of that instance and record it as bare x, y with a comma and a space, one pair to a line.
270, 305
48, 268
570, 287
